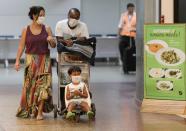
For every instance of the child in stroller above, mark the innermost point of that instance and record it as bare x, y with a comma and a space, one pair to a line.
77, 94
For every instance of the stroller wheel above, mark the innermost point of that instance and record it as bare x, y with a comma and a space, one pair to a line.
55, 111
93, 106
64, 113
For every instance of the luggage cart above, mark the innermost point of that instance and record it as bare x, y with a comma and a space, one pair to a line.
66, 60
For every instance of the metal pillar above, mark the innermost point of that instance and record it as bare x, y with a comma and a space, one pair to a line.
139, 51
147, 12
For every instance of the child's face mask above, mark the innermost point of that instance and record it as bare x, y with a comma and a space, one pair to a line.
76, 79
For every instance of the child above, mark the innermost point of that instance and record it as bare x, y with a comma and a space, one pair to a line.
77, 94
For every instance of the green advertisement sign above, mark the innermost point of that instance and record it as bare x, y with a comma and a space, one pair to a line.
164, 61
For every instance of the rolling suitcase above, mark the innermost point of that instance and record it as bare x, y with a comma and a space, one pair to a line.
131, 57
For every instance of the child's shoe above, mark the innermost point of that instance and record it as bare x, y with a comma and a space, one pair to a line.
70, 115
90, 115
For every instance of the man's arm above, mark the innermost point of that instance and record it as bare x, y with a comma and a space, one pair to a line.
68, 42
120, 25
84, 32
119, 31
58, 30
59, 35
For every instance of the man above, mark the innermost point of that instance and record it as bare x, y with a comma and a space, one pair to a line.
71, 27
67, 28
127, 33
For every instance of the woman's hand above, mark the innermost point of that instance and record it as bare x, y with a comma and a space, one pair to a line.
17, 65
51, 40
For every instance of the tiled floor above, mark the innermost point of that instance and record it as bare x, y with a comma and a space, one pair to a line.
113, 94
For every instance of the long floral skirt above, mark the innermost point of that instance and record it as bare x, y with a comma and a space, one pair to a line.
37, 85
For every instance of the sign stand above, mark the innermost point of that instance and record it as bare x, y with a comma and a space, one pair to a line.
164, 106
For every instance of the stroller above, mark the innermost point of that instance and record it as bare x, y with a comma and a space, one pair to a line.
66, 59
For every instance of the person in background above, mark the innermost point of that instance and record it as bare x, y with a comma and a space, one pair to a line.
70, 27
127, 33
37, 87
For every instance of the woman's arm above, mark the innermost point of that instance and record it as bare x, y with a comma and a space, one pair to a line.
50, 38
20, 49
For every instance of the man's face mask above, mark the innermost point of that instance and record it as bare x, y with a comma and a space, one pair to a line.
73, 22
76, 79
40, 20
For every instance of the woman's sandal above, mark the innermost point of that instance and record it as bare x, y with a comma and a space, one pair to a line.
39, 117
34, 111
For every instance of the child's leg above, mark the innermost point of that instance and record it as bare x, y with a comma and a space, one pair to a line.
71, 106
84, 106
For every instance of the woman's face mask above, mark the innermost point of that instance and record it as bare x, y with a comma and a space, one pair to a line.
40, 20
73, 22
76, 79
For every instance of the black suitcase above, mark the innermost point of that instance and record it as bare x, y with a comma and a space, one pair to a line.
131, 59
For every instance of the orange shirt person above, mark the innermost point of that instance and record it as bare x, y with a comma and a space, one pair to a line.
127, 33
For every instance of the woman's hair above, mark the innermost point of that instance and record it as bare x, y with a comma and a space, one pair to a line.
35, 10
74, 69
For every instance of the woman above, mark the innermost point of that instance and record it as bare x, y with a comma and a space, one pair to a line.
37, 91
